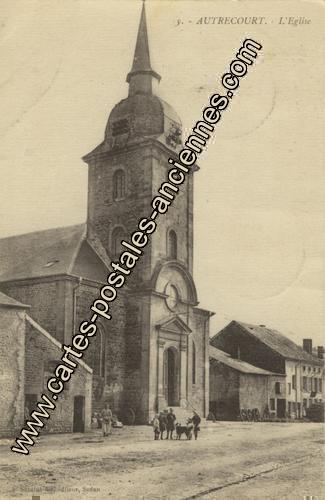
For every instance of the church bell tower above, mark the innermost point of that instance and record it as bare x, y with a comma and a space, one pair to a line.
127, 168
166, 336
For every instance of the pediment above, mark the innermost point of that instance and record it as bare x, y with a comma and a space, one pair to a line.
174, 324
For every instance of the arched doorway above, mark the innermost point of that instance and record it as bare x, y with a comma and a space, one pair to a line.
171, 378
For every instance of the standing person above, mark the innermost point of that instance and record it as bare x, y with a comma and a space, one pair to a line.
162, 423
171, 420
196, 419
106, 420
155, 425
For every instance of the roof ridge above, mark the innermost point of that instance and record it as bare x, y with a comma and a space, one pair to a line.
43, 231
249, 328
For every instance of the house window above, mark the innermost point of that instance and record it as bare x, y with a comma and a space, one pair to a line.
320, 385
277, 388
304, 383
304, 368
118, 235
294, 382
272, 404
119, 185
310, 384
172, 245
304, 403
289, 388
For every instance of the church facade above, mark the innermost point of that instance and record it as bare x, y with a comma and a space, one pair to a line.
154, 352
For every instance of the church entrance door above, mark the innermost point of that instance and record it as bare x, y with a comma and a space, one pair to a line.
171, 378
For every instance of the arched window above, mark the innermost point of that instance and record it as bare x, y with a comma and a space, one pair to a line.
172, 245
193, 363
119, 185
118, 234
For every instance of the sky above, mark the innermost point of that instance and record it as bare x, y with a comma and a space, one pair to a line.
259, 203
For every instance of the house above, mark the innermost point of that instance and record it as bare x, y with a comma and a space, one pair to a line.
236, 385
270, 350
12, 364
28, 356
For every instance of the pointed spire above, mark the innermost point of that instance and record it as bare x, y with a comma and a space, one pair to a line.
141, 74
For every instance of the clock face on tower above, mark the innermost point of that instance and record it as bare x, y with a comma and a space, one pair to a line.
173, 297
175, 287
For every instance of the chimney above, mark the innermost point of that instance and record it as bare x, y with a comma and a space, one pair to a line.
307, 345
320, 352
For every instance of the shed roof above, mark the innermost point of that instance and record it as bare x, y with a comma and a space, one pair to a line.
237, 364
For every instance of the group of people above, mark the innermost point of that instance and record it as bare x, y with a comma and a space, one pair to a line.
166, 421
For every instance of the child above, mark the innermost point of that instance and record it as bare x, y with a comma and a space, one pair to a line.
155, 425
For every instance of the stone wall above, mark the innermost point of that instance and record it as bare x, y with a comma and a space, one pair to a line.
105, 213
12, 362
199, 392
46, 298
179, 216
254, 392
136, 360
108, 381
42, 355
224, 391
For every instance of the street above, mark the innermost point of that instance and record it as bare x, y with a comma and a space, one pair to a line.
240, 460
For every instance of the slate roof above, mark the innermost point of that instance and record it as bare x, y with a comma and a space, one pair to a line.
277, 342
51, 252
236, 364
6, 301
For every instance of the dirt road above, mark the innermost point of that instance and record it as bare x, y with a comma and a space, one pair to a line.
230, 460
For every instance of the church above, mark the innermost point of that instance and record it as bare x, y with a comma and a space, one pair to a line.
154, 352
